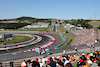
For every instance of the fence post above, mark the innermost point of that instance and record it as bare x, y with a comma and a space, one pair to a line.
11, 64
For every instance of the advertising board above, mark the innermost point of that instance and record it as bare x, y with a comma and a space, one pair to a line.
8, 36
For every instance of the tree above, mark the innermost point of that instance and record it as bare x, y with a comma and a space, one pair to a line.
66, 31
85, 24
59, 20
60, 23
12, 25
56, 22
74, 23
33, 21
50, 23
66, 21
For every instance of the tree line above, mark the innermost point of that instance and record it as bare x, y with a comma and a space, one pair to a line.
83, 23
12, 25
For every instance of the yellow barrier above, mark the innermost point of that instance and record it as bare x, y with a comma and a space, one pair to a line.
21, 31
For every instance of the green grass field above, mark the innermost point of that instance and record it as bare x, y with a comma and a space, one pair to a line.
52, 27
70, 36
16, 39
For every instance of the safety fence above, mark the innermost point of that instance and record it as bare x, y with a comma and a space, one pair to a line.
21, 55
12, 57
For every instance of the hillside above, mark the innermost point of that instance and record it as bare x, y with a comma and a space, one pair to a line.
94, 23
24, 18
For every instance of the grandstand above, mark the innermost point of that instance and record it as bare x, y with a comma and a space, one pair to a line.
84, 36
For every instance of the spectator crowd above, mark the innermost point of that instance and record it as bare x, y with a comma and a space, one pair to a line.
67, 60
84, 36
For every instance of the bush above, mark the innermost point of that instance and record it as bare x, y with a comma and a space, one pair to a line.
83, 23
69, 42
75, 23
66, 31
98, 27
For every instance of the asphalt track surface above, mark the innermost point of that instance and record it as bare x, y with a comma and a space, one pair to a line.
54, 28
58, 40
43, 41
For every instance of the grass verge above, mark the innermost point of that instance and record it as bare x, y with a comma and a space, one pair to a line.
36, 29
70, 36
16, 39
52, 27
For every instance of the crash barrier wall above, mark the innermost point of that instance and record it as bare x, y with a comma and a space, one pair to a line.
13, 57
62, 42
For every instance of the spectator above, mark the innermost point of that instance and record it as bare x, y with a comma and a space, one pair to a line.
64, 51
23, 64
44, 52
40, 52
98, 63
43, 61
40, 61
1, 65
75, 48
35, 63
60, 64
81, 60
52, 63
68, 65
29, 64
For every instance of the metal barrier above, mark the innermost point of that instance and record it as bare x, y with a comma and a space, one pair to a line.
12, 57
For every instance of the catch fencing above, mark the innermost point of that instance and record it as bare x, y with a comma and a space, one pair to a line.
12, 57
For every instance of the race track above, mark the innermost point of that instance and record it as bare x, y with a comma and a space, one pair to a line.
58, 40
43, 41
